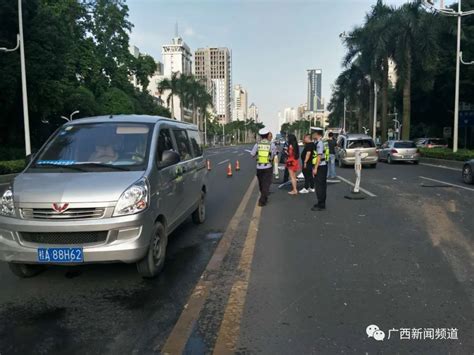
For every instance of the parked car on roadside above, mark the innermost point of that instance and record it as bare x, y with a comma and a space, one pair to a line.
467, 172
347, 144
431, 143
104, 189
393, 151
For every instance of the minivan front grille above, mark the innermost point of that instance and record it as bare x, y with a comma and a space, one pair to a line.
72, 213
64, 238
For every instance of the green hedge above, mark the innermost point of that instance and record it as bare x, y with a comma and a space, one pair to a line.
11, 166
445, 153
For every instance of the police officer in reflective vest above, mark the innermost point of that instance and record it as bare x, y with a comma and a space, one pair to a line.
320, 170
264, 151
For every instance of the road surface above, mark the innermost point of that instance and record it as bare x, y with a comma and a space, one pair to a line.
274, 280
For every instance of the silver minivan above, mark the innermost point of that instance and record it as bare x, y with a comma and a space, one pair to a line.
104, 190
347, 144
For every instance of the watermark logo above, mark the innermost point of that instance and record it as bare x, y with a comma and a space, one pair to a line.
373, 331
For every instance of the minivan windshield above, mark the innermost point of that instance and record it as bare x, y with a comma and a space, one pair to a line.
108, 146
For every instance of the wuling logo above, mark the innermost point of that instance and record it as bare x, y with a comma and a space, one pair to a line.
60, 207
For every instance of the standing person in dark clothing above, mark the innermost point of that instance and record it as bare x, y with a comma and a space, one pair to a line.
332, 156
320, 171
307, 161
284, 156
264, 151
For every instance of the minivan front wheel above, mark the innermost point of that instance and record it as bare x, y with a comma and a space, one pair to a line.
25, 270
154, 260
199, 215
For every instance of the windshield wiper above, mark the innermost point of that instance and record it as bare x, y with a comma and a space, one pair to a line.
103, 165
52, 165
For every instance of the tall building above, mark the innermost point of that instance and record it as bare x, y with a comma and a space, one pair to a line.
240, 104
177, 58
215, 65
314, 102
253, 112
290, 115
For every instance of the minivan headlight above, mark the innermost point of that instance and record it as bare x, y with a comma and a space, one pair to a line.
133, 200
6, 204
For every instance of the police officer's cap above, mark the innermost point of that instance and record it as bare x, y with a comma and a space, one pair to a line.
264, 131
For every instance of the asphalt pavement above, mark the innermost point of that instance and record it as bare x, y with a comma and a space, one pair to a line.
275, 280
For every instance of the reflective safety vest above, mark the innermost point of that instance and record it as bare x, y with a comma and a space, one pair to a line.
263, 152
325, 156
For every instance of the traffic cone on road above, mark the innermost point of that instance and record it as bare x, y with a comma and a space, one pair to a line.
229, 170
208, 165
237, 166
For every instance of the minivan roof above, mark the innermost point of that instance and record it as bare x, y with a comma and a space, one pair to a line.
356, 136
128, 119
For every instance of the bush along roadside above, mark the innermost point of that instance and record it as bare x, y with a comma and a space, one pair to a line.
12, 166
447, 154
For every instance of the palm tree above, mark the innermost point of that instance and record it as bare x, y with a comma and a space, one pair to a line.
172, 85
370, 44
413, 38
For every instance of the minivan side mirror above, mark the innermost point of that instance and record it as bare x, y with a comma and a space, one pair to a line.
169, 157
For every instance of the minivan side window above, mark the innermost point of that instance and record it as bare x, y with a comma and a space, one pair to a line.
195, 143
164, 142
182, 141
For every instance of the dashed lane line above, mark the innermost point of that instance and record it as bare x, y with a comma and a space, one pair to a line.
360, 188
176, 342
440, 166
447, 183
223, 162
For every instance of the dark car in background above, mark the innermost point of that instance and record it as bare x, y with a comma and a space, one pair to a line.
431, 143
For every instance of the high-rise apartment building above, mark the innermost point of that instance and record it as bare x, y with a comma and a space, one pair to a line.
253, 112
214, 65
240, 104
315, 102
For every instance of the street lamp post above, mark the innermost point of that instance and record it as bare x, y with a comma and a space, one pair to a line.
20, 44
459, 14
375, 112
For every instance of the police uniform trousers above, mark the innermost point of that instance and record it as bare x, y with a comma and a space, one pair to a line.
320, 181
264, 177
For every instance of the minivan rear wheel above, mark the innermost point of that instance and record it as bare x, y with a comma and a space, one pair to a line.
154, 260
340, 163
25, 270
199, 215
467, 174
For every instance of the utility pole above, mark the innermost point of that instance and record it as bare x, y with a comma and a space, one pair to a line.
374, 128
20, 44
459, 14
344, 124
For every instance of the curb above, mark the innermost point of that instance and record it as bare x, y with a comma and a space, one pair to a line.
443, 162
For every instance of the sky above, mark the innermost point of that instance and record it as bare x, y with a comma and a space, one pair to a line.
273, 42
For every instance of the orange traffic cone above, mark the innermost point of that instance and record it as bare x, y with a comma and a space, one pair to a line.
208, 165
237, 166
229, 170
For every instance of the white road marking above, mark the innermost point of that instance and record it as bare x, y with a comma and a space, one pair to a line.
447, 183
440, 166
222, 162
247, 150
240, 154
360, 188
